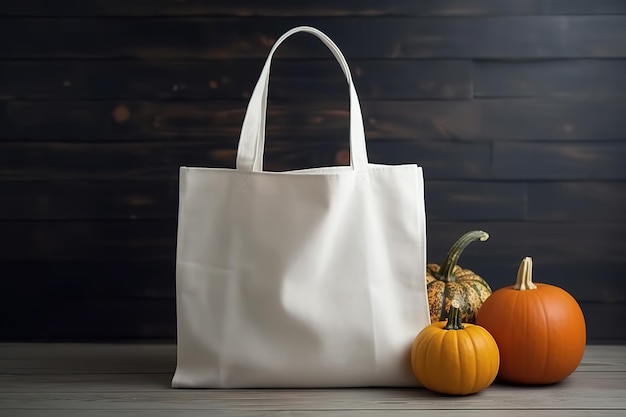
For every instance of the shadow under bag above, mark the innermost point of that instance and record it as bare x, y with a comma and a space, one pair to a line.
308, 278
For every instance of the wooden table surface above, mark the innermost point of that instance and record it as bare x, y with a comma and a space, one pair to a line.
94, 380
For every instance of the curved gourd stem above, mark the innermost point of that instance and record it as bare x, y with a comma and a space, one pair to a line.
455, 252
525, 275
454, 318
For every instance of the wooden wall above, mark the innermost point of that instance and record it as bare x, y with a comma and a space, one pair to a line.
516, 109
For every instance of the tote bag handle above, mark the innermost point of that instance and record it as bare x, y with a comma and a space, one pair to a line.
252, 138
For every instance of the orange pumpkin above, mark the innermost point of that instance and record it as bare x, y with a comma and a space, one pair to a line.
454, 358
540, 330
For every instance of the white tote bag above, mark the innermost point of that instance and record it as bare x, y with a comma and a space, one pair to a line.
309, 278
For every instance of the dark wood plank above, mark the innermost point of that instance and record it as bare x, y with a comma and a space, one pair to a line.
548, 243
4, 112
71, 161
80, 279
93, 120
90, 200
469, 200
158, 199
161, 160
560, 161
231, 79
85, 319
602, 320
583, 7
164, 351
549, 78
245, 8
226, 38
118, 120
490, 119
588, 118
120, 240
567, 201
131, 364
137, 357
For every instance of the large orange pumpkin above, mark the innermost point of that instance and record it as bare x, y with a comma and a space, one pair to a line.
451, 282
540, 330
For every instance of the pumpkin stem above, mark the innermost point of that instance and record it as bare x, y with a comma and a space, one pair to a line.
455, 252
454, 318
525, 275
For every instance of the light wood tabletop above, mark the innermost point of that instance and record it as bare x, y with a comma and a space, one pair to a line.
94, 380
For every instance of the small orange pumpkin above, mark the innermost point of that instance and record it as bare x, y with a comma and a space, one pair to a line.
454, 358
540, 330
451, 282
